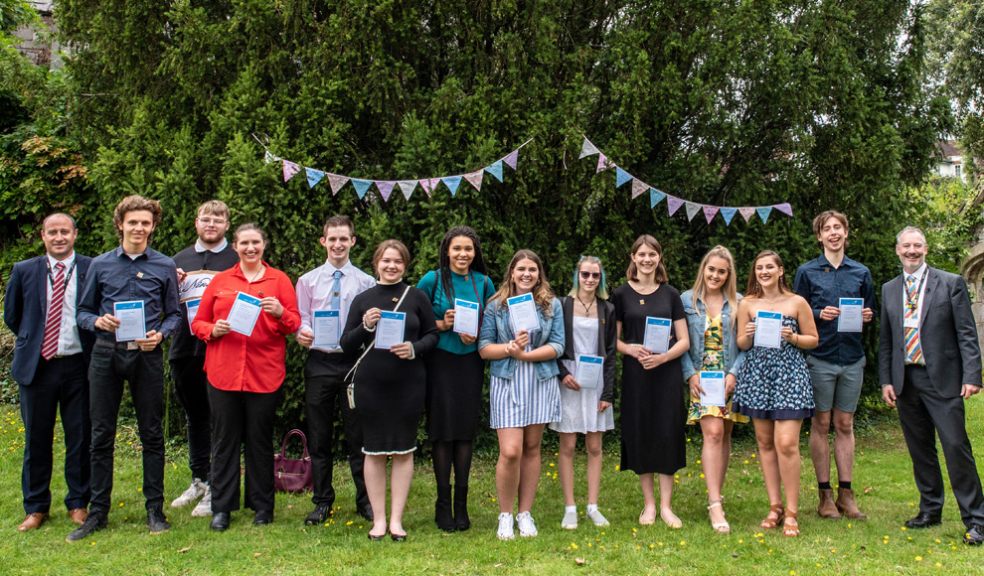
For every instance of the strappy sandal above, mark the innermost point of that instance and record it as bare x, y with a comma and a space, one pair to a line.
721, 527
790, 527
774, 517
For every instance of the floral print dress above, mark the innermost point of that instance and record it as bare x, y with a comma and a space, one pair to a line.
774, 383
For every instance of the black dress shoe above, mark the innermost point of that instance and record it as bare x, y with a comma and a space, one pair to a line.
318, 516
95, 522
975, 535
156, 521
375, 538
923, 520
398, 537
263, 517
365, 511
220, 521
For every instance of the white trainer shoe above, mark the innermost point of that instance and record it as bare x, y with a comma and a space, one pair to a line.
527, 529
195, 491
570, 520
505, 531
596, 516
204, 507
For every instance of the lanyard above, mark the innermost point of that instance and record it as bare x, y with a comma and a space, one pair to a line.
51, 277
912, 303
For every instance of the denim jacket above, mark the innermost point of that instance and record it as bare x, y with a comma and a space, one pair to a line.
497, 330
696, 321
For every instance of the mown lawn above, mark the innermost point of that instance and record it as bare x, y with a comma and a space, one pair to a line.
877, 546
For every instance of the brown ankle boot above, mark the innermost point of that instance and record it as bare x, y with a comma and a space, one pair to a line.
847, 506
827, 508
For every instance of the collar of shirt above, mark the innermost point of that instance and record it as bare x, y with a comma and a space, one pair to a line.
918, 273
237, 270
120, 253
846, 262
199, 247
347, 269
67, 262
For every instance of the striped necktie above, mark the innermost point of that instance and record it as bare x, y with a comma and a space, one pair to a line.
913, 349
52, 325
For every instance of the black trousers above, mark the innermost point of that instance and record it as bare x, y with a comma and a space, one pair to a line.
59, 385
324, 395
144, 371
242, 421
924, 413
191, 388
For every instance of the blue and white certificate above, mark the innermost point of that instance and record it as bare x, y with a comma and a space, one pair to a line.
657, 339
466, 317
768, 329
245, 311
390, 329
851, 314
133, 325
327, 328
712, 386
589, 371
522, 313
192, 306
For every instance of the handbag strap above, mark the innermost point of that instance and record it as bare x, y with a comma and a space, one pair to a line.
295, 432
369, 347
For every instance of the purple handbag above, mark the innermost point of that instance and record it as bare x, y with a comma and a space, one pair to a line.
291, 474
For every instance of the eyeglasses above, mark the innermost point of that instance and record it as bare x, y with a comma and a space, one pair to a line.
206, 220
585, 275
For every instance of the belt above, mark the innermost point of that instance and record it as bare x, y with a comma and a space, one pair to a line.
64, 357
338, 357
117, 345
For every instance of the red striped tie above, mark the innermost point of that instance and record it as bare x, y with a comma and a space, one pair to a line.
52, 326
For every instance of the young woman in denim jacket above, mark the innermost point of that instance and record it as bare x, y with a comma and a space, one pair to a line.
524, 389
711, 306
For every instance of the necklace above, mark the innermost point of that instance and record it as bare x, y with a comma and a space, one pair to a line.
255, 274
587, 307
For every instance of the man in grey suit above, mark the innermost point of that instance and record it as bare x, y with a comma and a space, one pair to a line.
929, 363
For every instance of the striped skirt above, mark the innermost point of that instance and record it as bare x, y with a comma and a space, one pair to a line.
524, 400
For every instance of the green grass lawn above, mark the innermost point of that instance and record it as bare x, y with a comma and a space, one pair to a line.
877, 546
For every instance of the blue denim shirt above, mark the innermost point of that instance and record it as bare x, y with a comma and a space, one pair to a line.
696, 322
497, 330
823, 285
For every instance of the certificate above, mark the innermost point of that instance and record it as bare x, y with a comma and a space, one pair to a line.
768, 329
589, 371
390, 328
657, 338
850, 318
245, 311
465, 317
133, 325
522, 313
327, 328
192, 306
712, 384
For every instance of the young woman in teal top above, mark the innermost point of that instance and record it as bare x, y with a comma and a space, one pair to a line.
455, 371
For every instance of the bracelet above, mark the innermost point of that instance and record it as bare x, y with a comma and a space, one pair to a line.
368, 329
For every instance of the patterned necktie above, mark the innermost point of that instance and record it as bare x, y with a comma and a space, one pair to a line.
913, 350
336, 290
52, 325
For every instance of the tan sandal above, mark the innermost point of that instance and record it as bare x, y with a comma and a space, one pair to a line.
721, 527
790, 527
774, 518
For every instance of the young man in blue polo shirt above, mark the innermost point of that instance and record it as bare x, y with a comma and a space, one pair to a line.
837, 364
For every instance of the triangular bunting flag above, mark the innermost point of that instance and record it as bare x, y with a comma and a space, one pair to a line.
587, 149
337, 181
728, 214
269, 158
638, 187
621, 177
764, 212
746, 212
511, 159
655, 197
495, 169
673, 204
313, 176
452, 182
385, 188
406, 187
475, 179
710, 212
692, 209
785, 208
290, 170
603, 163
361, 187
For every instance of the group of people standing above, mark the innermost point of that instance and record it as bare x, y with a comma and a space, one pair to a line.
387, 353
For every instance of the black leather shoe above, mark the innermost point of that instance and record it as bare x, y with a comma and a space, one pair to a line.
220, 521
923, 520
365, 511
398, 537
95, 522
318, 515
156, 521
263, 517
974, 536
374, 538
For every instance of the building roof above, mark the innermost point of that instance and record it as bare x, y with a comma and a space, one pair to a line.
950, 148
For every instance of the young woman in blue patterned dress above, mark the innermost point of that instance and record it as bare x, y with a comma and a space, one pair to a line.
774, 386
524, 389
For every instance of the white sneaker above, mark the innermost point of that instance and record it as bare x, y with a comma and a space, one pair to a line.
204, 507
505, 531
570, 520
194, 492
595, 515
527, 529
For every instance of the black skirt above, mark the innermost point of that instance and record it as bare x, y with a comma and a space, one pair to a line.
454, 395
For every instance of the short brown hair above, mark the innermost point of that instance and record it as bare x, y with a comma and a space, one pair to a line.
822, 218
216, 207
134, 203
394, 244
339, 220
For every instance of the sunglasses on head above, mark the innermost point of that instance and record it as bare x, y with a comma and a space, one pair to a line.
585, 275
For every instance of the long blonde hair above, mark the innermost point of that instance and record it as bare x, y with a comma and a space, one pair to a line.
543, 294
730, 288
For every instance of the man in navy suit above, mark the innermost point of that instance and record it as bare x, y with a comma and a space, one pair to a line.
50, 366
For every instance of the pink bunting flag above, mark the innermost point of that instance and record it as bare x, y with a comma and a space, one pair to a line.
638, 188
511, 159
746, 212
603, 163
385, 188
785, 208
710, 212
337, 181
673, 204
428, 184
290, 170
475, 179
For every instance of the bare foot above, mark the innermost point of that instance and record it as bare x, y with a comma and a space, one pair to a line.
670, 519
648, 516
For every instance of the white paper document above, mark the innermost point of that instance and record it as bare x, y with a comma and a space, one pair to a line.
768, 329
192, 306
245, 311
850, 318
327, 327
589, 372
657, 338
133, 325
466, 317
712, 384
390, 329
522, 313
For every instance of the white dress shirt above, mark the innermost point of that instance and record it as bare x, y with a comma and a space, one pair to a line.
922, 270
69, 341
314, 293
